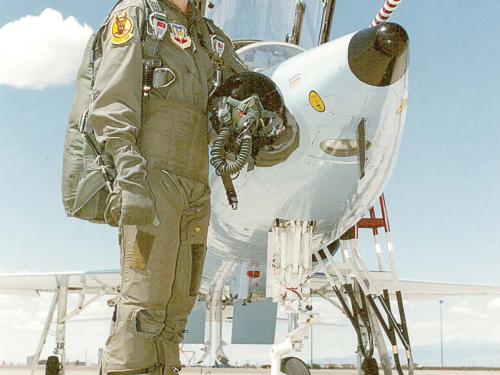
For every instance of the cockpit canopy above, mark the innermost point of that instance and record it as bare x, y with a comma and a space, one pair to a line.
264, 56
266, 33
269, 20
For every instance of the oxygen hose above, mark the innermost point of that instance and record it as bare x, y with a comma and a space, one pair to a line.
235, 138
221, 164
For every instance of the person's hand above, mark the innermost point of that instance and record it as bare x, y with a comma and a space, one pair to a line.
113, 208
125, 207
131, 202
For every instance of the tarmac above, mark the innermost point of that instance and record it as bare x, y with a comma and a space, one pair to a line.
79, 370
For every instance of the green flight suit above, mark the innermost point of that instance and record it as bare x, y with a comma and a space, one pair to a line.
159, 145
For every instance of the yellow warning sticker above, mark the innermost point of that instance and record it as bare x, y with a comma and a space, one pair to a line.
122, 29
316, 101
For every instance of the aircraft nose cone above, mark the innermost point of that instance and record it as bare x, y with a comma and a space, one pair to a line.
378, 56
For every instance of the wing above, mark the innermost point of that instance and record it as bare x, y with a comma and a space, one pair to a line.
412, 289
87, 281
430, 290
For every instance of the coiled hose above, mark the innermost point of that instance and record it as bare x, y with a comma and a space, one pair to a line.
228, 167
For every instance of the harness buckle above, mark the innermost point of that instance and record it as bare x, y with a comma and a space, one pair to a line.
83, 124
163, 77
149, 67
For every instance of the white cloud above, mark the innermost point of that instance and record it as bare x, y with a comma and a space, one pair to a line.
463, 312
22, 318
494, 304
42, 51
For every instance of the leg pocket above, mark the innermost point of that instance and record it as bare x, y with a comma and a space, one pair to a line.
149, 323
198, 258
133, 345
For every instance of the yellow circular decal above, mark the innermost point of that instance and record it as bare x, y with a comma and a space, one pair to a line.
122, 29
316, 101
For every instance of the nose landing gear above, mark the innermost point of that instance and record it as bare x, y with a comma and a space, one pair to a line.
366, 315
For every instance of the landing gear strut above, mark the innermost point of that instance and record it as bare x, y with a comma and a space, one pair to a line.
359, 317
297, 271
394, 330
360, 320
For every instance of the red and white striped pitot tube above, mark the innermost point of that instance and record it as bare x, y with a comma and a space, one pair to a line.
385, 12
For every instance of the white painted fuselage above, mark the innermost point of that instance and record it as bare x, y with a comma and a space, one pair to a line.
312, 184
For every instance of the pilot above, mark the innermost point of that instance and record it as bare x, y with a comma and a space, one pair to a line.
149, 112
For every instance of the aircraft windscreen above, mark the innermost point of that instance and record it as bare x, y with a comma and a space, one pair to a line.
261, 57
267, 20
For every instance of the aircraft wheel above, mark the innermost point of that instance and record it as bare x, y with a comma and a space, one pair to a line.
52, 367
370, 366
294, 366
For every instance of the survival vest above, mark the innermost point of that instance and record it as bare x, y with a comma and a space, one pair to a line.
88, 173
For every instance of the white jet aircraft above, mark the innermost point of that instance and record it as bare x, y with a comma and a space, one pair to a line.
301, 200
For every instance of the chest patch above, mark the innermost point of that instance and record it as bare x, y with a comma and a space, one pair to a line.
218, 46
179, 35
122, 29
159, 27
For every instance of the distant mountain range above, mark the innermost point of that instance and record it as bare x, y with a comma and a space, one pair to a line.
455, 353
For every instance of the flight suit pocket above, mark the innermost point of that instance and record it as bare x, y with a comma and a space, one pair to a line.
197, 260
149, 323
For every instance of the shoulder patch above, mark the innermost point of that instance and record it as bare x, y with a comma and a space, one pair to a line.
122, 28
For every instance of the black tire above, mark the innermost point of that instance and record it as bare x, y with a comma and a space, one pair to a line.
52, 367
370, 366
294, 366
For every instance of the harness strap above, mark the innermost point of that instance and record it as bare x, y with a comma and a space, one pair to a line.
210, 26
156, 28
215, 54
154, 5
157, 25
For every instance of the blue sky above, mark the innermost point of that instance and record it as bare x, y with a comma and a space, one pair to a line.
443, 195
